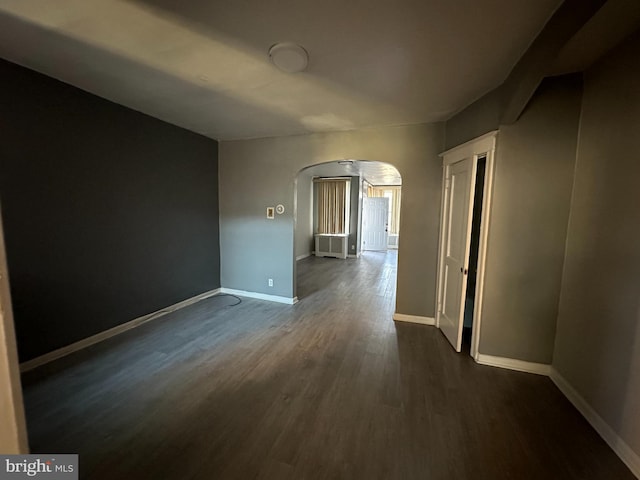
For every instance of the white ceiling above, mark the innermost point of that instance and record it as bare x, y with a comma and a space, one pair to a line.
203, 65
376, 173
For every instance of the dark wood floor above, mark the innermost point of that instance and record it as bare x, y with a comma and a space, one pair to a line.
329, 388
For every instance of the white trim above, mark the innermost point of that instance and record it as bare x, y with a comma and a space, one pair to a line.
303, 256
14, 434
617, 444
357, 255
514, 364
439, 279
481, 144
260, 296
401, 317
630, 458
487, 202
484, 145
112, 332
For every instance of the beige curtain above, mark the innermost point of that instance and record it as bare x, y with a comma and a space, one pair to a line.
394, 225
375, 191
332, 205
395, 199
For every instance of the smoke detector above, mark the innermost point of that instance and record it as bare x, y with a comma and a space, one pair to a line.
289, 57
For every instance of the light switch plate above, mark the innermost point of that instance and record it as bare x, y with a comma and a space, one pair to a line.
270, 213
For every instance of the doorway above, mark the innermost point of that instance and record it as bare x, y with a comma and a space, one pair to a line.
469, 302
466, 202
375, 223
365, 177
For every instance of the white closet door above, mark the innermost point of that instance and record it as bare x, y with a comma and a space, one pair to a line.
458, 212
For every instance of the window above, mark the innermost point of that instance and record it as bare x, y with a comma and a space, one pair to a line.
332, 200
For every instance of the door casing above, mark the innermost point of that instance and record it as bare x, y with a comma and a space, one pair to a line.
483, 146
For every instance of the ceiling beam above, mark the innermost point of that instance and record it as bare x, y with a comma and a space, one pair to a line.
534, 65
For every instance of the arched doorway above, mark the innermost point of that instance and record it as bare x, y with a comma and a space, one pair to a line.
367, 182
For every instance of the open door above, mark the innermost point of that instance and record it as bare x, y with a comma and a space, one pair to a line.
459, 183
375, 223
458, 211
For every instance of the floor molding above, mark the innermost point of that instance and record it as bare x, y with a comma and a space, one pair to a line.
260, 296
112, 332
402, 317
303, 256
514, 364
617, 444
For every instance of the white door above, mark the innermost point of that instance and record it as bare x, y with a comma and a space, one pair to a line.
456, 239
375, 214
14, 433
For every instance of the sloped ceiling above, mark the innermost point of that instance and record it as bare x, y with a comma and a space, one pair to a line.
203, 65
616, 20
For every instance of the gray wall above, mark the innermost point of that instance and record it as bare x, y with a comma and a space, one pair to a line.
531, 198
254, 249
108, 214
304, 220
479, 118
598, 337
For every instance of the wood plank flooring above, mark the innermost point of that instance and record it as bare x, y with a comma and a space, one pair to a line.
329, 388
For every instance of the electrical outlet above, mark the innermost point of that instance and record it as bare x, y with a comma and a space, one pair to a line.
271, 282
353, 247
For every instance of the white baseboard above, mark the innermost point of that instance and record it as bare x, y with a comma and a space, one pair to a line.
357, 255
112, 332
514, 364
617, 444
401, 317
260, 296
303, 256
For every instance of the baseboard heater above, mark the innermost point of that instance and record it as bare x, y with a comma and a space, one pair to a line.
331, 245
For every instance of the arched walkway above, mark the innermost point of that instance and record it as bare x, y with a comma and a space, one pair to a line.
365, 179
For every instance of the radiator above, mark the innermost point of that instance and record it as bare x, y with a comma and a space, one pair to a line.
331, 245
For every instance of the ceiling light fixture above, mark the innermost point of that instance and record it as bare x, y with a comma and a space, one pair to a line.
289, 57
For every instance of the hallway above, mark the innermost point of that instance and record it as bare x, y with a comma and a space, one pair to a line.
328, 388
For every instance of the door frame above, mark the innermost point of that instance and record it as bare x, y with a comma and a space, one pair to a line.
483, 146
13, 440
